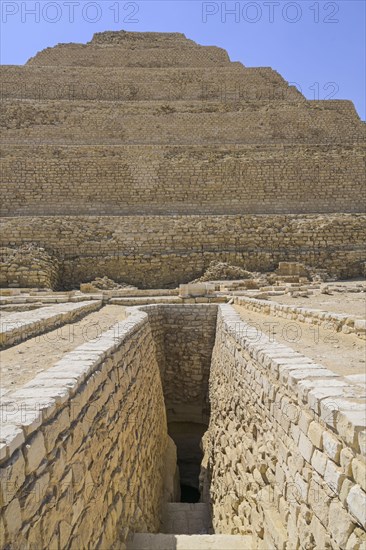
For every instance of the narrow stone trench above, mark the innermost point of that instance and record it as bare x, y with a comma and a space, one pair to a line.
186, 522
191, 515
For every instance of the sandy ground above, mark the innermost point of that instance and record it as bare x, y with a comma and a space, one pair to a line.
344, 354
353, 303
21, 363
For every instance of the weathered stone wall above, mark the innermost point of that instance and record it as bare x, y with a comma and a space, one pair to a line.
126, 180
155, 251
285, 450
225, 84
181, 123
95, 55
83, 446
184, 336
172, 128
28, 267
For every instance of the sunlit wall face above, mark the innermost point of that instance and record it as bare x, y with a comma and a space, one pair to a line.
318, 46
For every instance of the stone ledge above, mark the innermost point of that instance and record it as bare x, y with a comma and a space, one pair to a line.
18, 327
26, 410
348, 324
335, 401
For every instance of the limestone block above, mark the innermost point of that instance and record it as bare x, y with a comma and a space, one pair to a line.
13, 517
359, 472
315, 434
340, 523
346, 458
52, 430
319, 461
350, 424
36, 492
12, 477
356, 502
2, 533
275, 527
360, 325
357, 540
319, 501
332, 446
304, 420
321, 537
333, 476
11, 438
362, 442
345, 489
34, 452
302, 488
306, 447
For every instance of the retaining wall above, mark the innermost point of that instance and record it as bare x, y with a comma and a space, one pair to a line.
85, 454
285, 450
333, 122
226, 84
184, 336
83, 446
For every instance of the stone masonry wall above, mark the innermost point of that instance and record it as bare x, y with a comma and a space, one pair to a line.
95, 55
184, 336
226, 84
153, 251
83, 445
28, 266
125, 180
285, 450
180, 123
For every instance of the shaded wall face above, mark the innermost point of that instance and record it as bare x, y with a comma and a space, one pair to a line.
187, 437
184, 338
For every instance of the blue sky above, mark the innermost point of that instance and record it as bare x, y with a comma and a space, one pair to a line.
317, 45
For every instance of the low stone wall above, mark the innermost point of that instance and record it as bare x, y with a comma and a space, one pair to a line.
83, 446
28, 266
348, 324
18, 327
285, 450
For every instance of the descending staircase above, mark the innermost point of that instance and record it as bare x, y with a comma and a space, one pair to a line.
188, 526
184, 518
147, 541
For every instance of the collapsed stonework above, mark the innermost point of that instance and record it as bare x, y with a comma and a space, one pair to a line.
143, 157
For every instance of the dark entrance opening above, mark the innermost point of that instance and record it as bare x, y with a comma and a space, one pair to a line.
189, 494
187, 437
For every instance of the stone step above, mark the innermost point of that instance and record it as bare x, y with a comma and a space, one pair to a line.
186, 519
147, 541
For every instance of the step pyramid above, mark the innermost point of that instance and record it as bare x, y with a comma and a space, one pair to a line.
145, 156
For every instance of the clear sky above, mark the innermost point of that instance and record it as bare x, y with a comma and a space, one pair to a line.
317, 45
